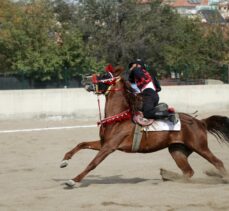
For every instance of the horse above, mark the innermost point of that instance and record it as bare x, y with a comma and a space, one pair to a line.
117, 130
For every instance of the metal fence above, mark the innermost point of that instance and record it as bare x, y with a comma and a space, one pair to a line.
13, 82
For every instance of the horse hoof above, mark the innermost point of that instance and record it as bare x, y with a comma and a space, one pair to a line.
70, 183
212, 173
63, 164
225, 179
170, 176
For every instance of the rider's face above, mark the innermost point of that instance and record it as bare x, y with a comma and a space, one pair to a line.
134, 65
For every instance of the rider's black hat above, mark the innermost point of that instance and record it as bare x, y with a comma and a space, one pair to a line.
138, 61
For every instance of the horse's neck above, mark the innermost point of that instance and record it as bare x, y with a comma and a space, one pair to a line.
116, 101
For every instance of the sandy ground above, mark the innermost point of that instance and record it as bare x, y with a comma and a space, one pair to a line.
30, 177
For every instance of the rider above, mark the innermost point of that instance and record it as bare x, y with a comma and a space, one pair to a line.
142, 82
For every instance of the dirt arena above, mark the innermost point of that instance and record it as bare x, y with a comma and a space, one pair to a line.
30, 177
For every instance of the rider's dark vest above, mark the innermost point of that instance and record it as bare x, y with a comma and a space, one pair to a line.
144, 80
141, 78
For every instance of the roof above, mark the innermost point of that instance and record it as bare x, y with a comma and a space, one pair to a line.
189, 3
143, 1
212, 16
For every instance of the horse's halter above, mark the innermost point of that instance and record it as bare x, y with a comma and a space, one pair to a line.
104, 86
108, 83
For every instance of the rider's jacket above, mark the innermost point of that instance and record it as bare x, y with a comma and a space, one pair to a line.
141, 78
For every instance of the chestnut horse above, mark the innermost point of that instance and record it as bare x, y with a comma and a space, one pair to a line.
117, 130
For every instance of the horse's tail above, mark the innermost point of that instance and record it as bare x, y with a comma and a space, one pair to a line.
218, 126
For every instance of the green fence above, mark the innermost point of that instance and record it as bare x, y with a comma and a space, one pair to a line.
17, 82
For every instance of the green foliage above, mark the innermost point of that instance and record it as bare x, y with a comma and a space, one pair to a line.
121, 31
41, 39
33, 47
8, 14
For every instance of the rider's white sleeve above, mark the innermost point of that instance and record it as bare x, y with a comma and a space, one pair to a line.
134, 86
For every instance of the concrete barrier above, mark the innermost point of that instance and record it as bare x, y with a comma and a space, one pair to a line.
47, 103
77, 103
204, 98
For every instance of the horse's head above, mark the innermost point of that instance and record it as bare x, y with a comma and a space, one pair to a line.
100, 83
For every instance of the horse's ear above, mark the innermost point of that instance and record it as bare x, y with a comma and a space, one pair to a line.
118, 70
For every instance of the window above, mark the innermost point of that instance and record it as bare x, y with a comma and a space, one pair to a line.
194, 1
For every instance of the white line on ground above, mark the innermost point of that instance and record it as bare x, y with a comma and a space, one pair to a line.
47, 128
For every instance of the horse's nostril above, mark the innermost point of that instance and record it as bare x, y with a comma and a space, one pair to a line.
89, 87
86, 87
86, 79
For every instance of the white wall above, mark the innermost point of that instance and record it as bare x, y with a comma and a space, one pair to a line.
78, 103
47, 102
199, 97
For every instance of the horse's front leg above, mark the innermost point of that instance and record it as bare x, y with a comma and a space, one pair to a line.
94, 145
105, 150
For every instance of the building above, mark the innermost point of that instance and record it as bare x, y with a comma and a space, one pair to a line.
223, 8
211, 16
209, 11
189, 7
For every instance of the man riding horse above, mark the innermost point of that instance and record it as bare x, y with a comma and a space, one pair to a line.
117, 130
142, 82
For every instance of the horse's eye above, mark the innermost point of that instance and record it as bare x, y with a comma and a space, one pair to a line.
106, 76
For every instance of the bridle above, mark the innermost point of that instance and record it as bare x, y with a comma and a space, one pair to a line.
111, 82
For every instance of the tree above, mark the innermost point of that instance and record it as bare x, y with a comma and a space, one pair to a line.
36, 54
74, 52
103, 24
32, 42
44, 40
121, 31
8, 18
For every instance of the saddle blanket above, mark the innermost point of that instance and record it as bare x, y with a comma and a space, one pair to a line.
163, 125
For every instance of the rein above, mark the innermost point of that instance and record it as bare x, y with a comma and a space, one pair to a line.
100, 114
110, 90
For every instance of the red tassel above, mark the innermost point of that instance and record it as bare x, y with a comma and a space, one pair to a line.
116, 118
94, 79
109, 68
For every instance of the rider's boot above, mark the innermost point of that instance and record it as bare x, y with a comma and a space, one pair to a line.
173, 118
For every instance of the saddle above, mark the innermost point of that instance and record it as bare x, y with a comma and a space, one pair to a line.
161, 111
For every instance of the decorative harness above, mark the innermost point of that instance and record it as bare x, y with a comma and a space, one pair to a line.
110, 81
125, 115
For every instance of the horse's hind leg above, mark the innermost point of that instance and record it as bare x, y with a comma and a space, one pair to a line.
208, 155
180, 153
94, 145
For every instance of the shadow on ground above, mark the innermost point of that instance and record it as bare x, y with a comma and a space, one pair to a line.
117, 179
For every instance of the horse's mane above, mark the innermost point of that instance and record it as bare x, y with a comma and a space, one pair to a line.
134, 100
